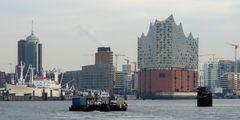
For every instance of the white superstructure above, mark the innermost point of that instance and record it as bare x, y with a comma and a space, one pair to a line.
46, 83
166, 46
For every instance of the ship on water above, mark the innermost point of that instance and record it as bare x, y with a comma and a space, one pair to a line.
98, 100
36, 86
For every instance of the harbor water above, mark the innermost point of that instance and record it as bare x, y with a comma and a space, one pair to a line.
137, 110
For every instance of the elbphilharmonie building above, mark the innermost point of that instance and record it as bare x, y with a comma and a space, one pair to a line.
166, 46
168, 61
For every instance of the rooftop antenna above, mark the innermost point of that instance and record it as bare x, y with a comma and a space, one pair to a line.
32, 27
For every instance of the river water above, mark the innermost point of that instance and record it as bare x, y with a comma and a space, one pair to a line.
137, 110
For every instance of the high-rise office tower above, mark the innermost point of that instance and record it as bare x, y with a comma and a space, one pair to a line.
30, 53
224, 67
211, 80
21, 51
97, 76
104, 55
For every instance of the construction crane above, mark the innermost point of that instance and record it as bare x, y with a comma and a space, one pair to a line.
127, 60
215, 59
117, 55
213, 56
236, 47
88, 54
134, 63
135, 66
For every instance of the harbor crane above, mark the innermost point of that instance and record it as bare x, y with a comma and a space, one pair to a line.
236, 47
118, 55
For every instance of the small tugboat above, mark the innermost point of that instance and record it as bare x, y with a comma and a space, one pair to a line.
204, 97
118, 105
98, 102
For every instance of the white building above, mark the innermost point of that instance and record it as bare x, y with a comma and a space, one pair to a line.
128, 79
211, 80
166, 46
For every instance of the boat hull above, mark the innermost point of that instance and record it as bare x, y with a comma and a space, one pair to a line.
19, 90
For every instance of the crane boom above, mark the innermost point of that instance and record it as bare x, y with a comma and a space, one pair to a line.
213, 56
117, 55
127, 60
236, 47
135, 66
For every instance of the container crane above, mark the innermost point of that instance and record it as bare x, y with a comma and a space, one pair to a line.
236, 47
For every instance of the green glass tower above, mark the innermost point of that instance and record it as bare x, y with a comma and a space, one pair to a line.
31, 53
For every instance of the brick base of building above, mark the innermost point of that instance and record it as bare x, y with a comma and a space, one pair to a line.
158, 83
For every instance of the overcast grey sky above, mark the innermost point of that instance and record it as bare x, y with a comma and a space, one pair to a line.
70, 30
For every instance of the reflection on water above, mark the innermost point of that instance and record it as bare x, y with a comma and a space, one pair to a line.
138, 110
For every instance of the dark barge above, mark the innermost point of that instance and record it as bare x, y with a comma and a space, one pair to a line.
87, 104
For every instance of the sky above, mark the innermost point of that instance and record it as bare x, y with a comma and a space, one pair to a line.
71, 30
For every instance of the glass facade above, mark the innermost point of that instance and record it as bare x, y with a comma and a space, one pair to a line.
30, 53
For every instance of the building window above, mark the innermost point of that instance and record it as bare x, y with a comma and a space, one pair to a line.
162, 75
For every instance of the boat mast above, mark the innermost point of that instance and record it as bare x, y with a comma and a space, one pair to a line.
27, 73
20, 80
56, 77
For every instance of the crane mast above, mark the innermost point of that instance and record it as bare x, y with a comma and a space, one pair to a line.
117, 55
236, 47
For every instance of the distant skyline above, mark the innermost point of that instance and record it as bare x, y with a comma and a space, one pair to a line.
71, 30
